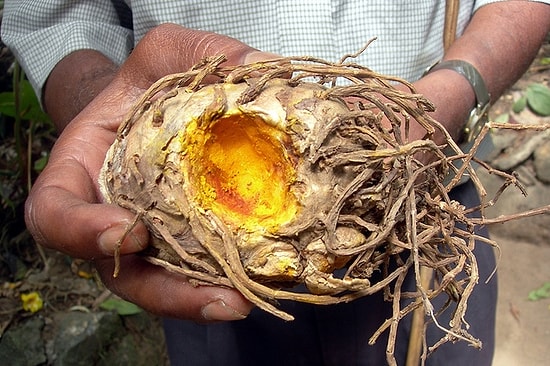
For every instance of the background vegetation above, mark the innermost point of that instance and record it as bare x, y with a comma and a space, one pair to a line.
26, 137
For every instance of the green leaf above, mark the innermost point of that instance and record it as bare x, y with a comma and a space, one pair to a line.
122, 307
29, 107
545, 61
541, 293
538, 99
40, 164
503, 118
519, 105
7, 104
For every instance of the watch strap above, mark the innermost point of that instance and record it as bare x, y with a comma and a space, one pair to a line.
478, 116
471, 74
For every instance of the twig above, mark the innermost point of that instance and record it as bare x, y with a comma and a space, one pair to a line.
399, 205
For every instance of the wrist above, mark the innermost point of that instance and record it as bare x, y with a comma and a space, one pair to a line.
478, 115
453, 98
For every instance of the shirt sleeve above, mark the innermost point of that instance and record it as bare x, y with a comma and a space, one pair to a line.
42, 33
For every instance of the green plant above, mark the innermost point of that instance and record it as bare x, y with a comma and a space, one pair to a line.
122, 307
26, 137
540, 293
537, 98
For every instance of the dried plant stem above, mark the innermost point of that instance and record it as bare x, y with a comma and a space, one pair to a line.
399, 204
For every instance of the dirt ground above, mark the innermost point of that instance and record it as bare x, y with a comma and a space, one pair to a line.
523, 326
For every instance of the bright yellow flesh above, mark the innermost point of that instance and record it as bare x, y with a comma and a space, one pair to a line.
243, 172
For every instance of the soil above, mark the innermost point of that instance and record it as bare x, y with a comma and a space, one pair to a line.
523, 326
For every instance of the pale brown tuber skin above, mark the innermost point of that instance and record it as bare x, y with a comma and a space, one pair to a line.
260, 183
63, 211
346, 190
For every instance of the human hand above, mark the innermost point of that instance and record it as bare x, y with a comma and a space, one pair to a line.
64, 211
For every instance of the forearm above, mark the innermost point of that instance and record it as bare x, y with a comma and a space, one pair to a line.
74, 82
48, 39
501, 41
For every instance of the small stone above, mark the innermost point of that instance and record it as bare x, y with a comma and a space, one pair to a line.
23, 345
501, 139
534, 229
83, 337
542, 162
521, 149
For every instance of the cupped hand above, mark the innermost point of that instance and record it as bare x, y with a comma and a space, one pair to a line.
64, 211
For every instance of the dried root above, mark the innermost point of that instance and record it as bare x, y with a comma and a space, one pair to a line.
300, 171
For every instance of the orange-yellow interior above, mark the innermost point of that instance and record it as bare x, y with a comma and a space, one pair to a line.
241, 169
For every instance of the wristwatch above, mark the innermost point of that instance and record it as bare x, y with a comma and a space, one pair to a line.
479, 115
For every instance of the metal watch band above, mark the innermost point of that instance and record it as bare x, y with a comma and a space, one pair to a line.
478, 116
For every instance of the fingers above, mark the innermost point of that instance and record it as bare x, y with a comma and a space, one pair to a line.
170, 48
164, 50
62, 210
61, 221
171, 295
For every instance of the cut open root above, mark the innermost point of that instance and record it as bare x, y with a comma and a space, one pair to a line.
294, 171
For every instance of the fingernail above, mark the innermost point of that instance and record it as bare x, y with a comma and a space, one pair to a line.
108, 239
219, 310
257, 56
